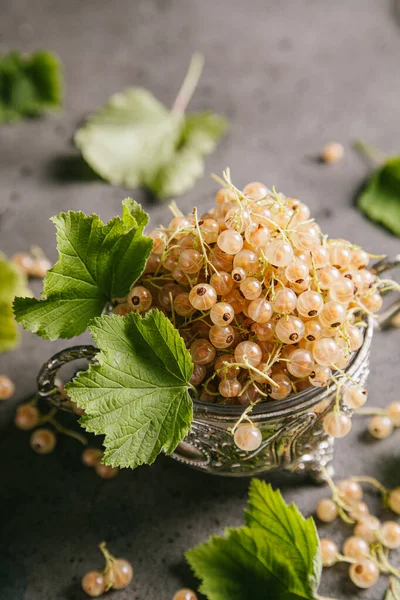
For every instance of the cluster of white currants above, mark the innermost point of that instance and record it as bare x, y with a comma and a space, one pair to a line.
116, 575
32, 265
7, 387
267, 305
383, 421
367, 549
43, 440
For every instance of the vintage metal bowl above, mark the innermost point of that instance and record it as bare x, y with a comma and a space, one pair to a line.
293, 437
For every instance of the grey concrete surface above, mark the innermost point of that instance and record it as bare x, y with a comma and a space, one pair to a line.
290, 76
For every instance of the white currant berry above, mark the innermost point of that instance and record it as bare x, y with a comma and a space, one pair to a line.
389, 534
394, 500
359, 258
43, 441
92, 456
230, 241
368, 529
185, 594
260, 310
7, 387
26, 417
39, 268
325, 351
320, 376
279, 253
380, 426
256, 191
222, 282
354, 396
251, 288
93, 584
342, 290
327, 510
160, 239
119, 575
340, 256
190, 261
247, 437
24, 261
283, 388
224, 370
372, 302
312, 330
202, 351
247, 260
209, 230
221, 336
310, 304
297, 271
337, 425
183, 306
329, 552
355, 547
248, 352
140, 298
332, 153
301, 363
364, 574
230, 388
222, 313
349, 491
358, 510
289, 329
199, 372
105, 471
333, 314
202, 296
285, 301
305, 237
393, 411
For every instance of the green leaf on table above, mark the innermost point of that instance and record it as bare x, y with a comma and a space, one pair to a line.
393, 592
96, 263
29, 84
276, 555
134, 140
268, 510
12, 282
137, 396
380, 199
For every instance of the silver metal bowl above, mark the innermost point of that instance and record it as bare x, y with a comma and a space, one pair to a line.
293, 437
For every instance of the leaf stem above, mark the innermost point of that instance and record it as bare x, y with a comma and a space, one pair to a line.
371, 152
189, 84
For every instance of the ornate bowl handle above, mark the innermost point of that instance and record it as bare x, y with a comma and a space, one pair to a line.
385, 318
48, 373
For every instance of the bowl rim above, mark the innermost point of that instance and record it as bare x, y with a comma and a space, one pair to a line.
296, 403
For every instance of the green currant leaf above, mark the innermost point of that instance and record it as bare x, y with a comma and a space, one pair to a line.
12, 282
393, 592
268, 510
137, 396
276, 555
135, 140
200, 135
380, 199
29, 84
96, 263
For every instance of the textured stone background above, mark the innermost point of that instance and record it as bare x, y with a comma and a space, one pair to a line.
290, 76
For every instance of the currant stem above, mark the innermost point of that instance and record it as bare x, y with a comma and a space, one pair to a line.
371, 481
370, 411
61, 429
371, 152
189, 83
